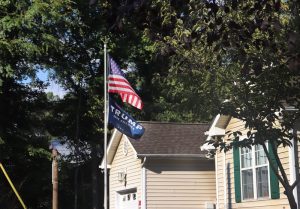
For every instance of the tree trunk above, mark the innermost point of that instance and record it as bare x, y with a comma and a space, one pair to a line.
77, 131
54, 179
291, 198
76, 188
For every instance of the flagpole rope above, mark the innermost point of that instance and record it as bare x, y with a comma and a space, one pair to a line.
12, 186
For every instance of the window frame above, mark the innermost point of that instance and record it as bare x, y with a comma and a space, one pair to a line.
253, 167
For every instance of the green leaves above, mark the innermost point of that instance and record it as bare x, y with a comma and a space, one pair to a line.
1, 141
38, 152
236, 51
27, 33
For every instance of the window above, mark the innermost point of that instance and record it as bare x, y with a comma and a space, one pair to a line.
134, 196
254, 173
253, 178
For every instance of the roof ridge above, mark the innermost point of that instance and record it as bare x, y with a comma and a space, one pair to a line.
175, 123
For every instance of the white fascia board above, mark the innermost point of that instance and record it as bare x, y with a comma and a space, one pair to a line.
213, 123
112, 148
215, 131
207, 146
101, 166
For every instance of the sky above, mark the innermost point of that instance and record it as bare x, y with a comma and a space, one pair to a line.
43, 75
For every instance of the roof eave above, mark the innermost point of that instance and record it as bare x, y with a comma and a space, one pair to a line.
217, 128
112, 148
172, 155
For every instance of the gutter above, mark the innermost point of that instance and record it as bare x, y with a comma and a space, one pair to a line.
293, 166
173, 155
144, 185
217, 180
293, 153
225, 180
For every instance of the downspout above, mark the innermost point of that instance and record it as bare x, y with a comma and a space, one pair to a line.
217, 181
224, 175
293, 166
143, 198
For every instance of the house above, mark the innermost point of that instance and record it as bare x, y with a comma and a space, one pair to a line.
244, 178
164, 169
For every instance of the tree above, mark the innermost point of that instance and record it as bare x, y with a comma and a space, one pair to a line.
189, 57
66, 38
78, 68
244, 56
24, 145
26, 35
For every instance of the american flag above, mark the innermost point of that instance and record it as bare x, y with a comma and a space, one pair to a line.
117, 83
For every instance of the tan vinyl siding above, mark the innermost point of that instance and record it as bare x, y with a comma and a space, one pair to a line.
236, 125
120, 163
180, 184
220, 182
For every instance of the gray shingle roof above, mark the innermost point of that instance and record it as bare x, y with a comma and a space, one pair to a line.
171, 138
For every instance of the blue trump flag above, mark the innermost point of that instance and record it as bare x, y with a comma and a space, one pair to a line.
122, 121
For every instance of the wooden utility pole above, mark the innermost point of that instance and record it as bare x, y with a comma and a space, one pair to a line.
54, 179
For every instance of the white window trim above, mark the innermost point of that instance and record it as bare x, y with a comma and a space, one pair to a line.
253, 167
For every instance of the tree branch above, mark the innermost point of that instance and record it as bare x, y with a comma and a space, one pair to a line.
295, 183
279, 164
273, 166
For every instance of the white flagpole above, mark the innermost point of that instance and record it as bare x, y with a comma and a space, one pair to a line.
105, 127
